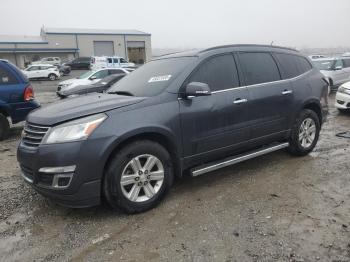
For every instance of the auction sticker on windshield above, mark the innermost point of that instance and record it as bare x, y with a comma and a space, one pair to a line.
159, 78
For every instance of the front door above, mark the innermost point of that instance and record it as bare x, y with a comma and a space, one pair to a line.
214, 124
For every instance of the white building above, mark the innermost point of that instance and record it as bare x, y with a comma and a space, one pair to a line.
68, 43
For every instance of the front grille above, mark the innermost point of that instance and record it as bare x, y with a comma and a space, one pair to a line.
33, 134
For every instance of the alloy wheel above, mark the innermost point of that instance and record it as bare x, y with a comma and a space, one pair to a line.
142, 178
307, 132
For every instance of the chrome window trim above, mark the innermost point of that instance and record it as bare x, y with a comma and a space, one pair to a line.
261, 84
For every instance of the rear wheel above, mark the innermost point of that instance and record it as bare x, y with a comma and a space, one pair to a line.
4, 127
305, 133
52, 77
138, 177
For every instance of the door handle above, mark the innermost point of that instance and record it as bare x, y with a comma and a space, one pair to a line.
240, 101
286, 92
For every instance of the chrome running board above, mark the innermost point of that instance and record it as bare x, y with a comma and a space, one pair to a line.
236, 159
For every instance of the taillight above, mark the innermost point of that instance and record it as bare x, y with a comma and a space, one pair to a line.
28, 93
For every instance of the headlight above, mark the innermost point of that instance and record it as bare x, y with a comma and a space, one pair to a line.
344, 90
75, 130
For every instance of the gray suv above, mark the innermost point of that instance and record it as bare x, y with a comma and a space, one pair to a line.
194, 111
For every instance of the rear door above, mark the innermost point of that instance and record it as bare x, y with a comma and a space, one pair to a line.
270, 98
212, 124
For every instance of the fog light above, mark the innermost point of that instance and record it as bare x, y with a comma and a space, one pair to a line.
62, 180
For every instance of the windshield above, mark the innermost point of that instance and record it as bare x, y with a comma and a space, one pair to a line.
152, 78
85, 75
324, 64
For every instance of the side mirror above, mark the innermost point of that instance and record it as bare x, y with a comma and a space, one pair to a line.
338, 68
195, 89
93, 78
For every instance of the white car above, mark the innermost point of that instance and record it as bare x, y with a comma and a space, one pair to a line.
48, 61
42, 71
342, 98
90, 77
336, 69
98, 62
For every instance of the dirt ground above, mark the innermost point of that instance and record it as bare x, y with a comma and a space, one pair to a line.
272, 208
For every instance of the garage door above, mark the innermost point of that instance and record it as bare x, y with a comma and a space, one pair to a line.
102, 48
136, 44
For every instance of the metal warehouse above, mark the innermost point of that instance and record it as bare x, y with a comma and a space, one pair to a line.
68, 43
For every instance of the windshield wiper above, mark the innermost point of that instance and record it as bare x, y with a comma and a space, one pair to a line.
122, 93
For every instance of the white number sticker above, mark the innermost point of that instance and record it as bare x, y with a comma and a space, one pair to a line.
159, 78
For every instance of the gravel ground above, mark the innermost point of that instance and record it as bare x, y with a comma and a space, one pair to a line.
272, 208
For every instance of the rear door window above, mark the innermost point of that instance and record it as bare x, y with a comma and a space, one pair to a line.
219, 73
7, 77
258, 68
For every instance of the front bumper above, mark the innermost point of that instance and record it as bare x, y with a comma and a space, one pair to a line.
84, 187
342, 101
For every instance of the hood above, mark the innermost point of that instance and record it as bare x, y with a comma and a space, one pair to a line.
70, 83
80, 89
346, 85
80, 106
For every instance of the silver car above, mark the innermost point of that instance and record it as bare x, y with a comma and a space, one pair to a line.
335, 69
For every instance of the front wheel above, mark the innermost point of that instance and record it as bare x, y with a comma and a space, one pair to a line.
305, 133
52, 77
138, 177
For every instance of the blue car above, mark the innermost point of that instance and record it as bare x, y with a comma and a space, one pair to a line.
16, 96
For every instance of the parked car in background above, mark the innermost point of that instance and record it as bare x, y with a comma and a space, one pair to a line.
342, 98
346, 54
40, 71
336, 70
89, 78
98, 87
79, 63
98, 62
16, 96
48, 61
64, 69
316, 56
196, 111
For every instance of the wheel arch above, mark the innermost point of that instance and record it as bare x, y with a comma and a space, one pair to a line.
315, 106
157, 135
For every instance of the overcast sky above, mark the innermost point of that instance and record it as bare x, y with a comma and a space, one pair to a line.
189, 23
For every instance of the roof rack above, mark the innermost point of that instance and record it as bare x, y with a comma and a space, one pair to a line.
237, 45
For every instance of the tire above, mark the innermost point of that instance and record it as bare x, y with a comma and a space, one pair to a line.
302, 147
4, 127
52, 77
121, 166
